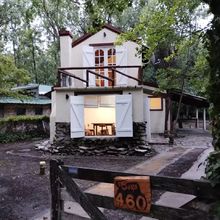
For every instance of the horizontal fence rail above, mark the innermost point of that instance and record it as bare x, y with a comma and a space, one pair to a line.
68, 190
200, 188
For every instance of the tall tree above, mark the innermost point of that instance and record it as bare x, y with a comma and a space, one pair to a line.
170, 31
10, 75
104, 11
213, 167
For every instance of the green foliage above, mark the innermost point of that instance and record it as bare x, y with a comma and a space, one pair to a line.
10, 75
104, 11
213, 168
170, 31
22, 135
18, 136
213, 46
24, 118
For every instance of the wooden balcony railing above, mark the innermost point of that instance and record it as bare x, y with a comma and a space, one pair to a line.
64, 74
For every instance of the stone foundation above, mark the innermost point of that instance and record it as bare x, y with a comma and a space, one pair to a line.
135, 145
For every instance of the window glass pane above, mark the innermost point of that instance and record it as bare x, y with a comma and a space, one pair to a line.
38, 111
109, 52
155, 104
101, 53
21, 111
96, 61
97, 53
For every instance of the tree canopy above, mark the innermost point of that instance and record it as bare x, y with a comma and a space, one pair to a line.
10, 75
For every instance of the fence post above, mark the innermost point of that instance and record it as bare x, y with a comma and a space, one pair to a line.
140, 75
55, 189
87, 78
113, 77
58, 79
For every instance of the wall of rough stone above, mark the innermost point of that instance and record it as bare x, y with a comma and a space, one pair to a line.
26, 127
135, 145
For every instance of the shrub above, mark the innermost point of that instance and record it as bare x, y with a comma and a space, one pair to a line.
12, 134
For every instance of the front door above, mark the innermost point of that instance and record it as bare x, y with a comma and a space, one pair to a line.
104, 57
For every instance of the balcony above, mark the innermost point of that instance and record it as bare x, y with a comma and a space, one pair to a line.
100, 76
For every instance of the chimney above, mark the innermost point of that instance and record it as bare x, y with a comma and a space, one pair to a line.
65, 48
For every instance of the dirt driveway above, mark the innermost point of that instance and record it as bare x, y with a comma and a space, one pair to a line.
23, 192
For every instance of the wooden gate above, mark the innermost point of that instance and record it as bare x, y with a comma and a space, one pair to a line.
63, 187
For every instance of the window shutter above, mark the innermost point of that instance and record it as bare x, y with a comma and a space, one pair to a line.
124, 123
77, 116
89, 61
121, 60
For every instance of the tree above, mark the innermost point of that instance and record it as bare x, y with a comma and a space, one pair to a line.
104, 11
213, 166
170, 31
10, 75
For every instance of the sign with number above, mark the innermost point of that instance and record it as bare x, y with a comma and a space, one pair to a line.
132, 193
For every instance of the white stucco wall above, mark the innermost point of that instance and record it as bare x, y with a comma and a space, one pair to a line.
61, 106
73, 56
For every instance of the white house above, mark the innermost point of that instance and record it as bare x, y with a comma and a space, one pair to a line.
101, 94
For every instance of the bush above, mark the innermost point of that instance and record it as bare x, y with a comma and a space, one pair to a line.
34, 128
24, 118
18, 136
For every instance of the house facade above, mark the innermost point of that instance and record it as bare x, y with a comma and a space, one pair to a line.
101, 98
37, 103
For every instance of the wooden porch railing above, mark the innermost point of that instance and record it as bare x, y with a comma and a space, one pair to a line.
63, 73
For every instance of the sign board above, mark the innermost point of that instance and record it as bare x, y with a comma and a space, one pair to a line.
132, 193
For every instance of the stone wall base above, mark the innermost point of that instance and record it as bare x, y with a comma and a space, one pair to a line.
98, 146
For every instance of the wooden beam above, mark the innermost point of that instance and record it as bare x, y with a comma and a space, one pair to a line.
100, 75
197, 118
199, 188
96, 67
101, 44
76, 193
204, 119
123, 74
72, 75
157, 211
55, 189
140, 76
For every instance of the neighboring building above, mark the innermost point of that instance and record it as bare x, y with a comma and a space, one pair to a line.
37, 103
101, 93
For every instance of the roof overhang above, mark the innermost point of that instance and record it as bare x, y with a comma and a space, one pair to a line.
188, 99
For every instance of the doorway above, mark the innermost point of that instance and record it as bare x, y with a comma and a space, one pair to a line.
104, 57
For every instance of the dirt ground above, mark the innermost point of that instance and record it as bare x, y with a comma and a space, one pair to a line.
24, 193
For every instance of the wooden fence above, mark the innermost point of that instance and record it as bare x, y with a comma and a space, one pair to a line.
64, 188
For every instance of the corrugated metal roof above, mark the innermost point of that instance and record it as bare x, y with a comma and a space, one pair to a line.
42, 89
27, 101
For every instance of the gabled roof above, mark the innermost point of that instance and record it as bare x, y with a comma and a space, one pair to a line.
87, 35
